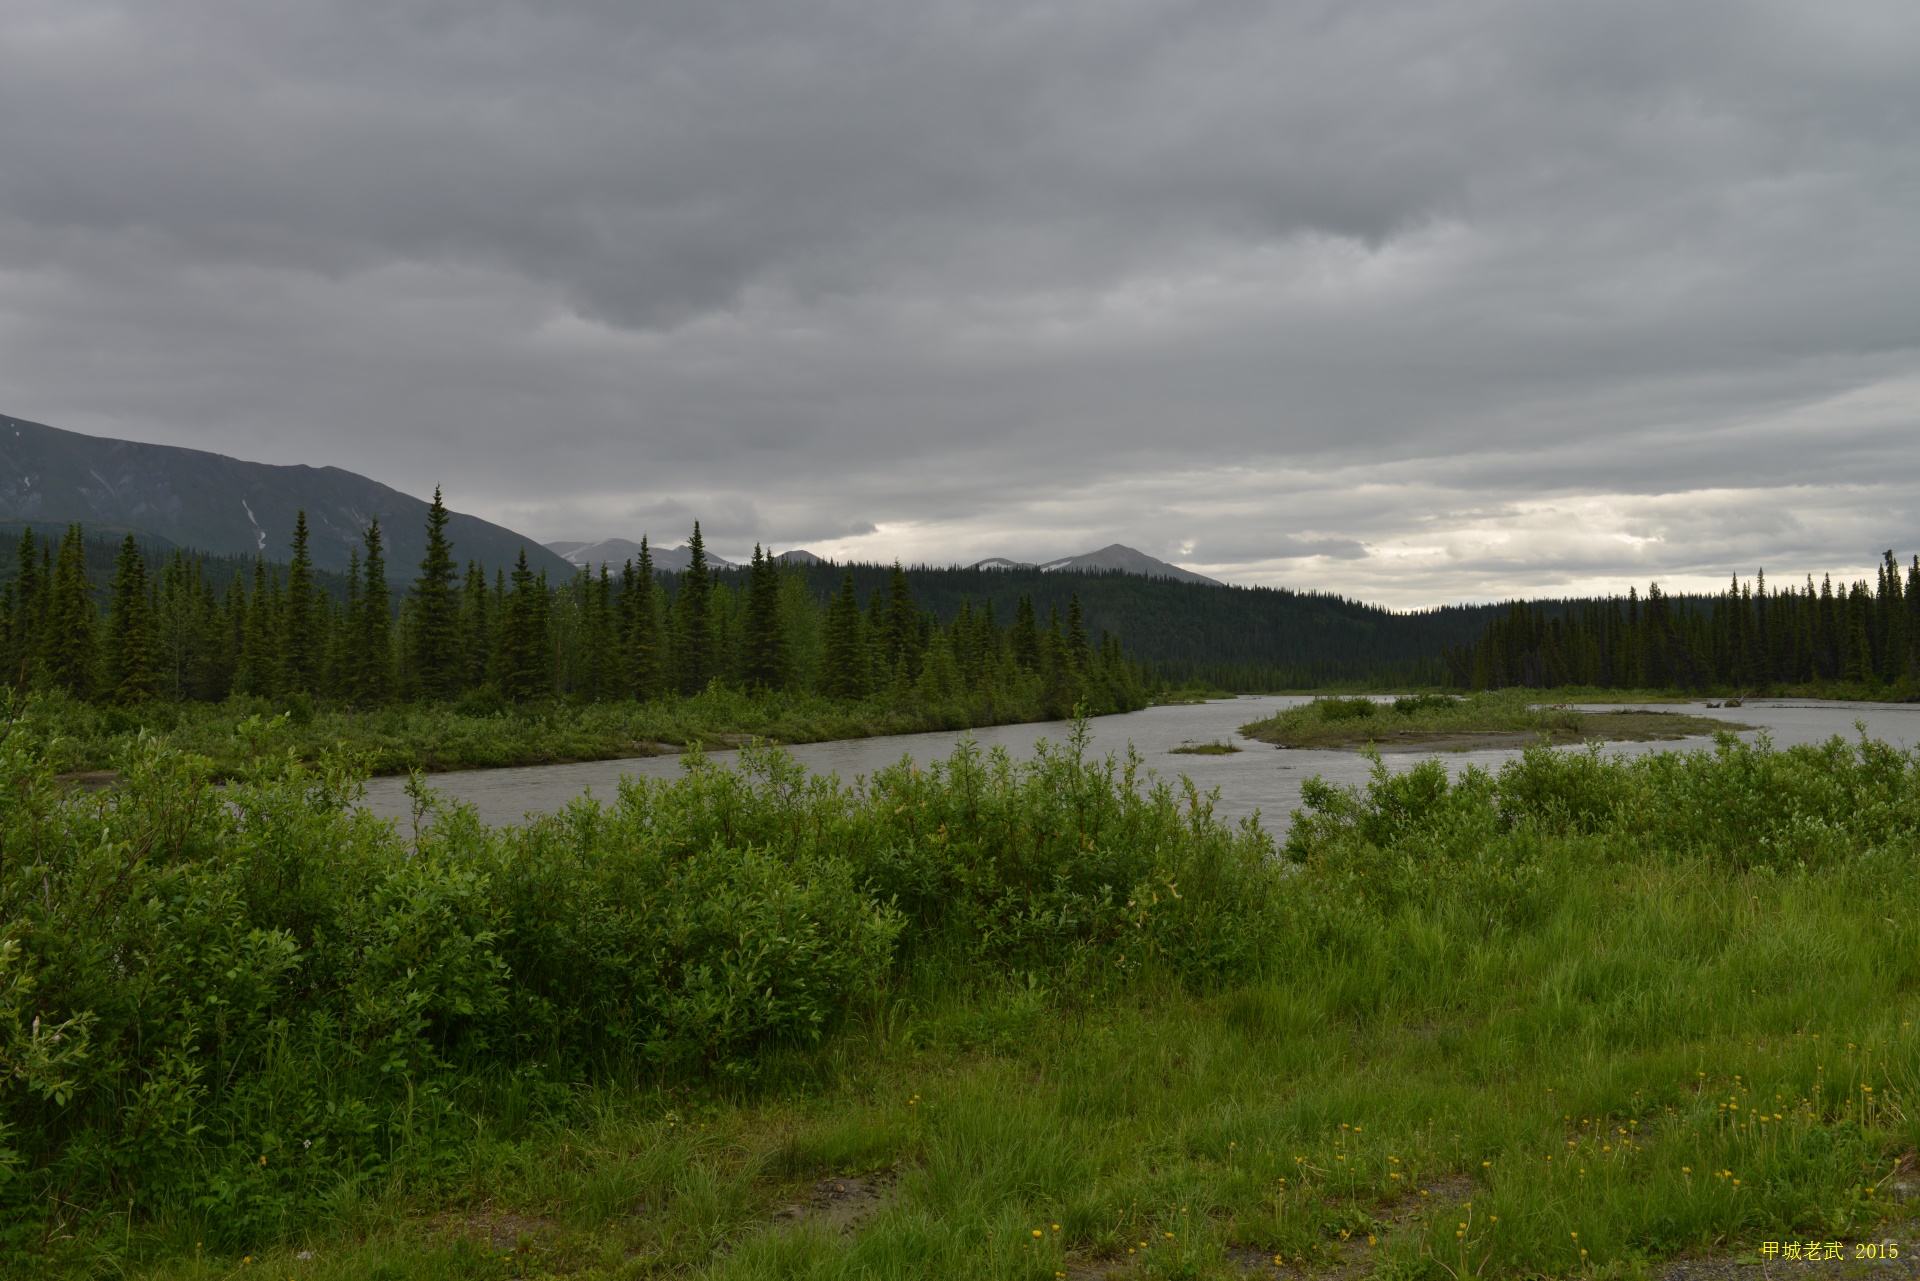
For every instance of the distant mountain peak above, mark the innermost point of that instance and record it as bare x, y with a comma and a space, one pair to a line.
1113, 557
618, 551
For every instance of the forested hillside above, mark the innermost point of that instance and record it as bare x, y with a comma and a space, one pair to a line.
1233, 638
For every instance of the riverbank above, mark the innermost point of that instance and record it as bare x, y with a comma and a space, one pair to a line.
82, 738
1442, 722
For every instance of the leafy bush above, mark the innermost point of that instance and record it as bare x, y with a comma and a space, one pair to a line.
1413, 704
1739, 804
231, 1000
1343, 709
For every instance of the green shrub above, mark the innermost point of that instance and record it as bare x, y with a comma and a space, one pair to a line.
229, 1001
1413, 704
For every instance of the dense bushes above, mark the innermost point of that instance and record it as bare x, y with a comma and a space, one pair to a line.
234, 1000
1739, 805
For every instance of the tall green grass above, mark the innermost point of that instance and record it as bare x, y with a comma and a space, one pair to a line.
1666, 1004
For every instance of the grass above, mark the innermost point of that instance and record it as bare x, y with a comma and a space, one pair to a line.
1573, 1019
1580, 1091
1216, 748
1509, 718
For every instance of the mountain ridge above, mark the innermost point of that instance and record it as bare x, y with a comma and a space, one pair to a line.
1112, 557
618, 551
51, 477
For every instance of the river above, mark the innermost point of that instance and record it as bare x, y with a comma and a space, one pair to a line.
1260, 778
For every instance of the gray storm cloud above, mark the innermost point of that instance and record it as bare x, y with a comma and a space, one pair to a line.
1415, 301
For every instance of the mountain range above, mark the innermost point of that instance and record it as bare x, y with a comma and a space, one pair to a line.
165, 494
172, 496
1111, 558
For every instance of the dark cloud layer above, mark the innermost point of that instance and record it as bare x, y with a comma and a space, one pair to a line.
1414, 300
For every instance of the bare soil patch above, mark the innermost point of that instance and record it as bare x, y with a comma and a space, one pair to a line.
501, 1230
843, 1203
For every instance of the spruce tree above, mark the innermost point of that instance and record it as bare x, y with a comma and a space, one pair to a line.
902, 642
693, 647
1060, 691
476, 626
844, 661
67, 641
523, 636
1025, 637
766, 660
257, 672
344, 658
596, 643
373, 676
300, 643
434, 644
641, 605
1079, 655
129, 675
175, 627
27, 608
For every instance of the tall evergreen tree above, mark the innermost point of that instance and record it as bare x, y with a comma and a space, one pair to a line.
476, 627
129, 675
523, 636
27, 610
693, 641
1079, 654
435, 657
646, 669
901, 641
67, 640
844, 665
373, 679
1025, 637
300, 643
766, 660
258, 671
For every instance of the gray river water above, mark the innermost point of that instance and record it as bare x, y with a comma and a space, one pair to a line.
1260, 778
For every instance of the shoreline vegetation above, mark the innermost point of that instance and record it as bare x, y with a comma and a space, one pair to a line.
1575, 1016
235, 736
1445, 722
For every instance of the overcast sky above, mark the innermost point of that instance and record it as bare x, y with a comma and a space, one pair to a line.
1417, 302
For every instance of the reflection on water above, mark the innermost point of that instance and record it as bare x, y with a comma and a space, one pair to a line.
1260, 778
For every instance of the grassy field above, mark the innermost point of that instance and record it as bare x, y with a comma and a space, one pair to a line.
1573, 1019
1428, 722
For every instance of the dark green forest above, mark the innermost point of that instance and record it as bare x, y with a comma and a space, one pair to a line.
1241, 639
125, 622
127, 625
1859, 638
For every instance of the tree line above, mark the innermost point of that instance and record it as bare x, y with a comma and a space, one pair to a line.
1225, 637
173, 632
1750, 637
